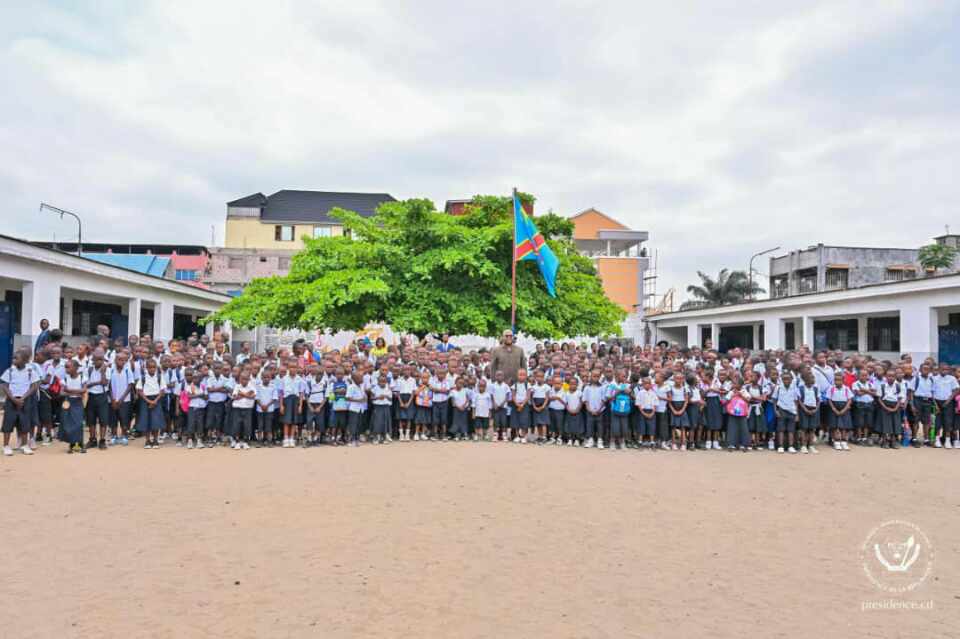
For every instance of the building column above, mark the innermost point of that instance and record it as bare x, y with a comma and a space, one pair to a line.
756, 337
862, 342
773, 334
41, 300
693, 335
208, 329
163, 321
807, 332
919, 332
133, 318
67, 327
715, 336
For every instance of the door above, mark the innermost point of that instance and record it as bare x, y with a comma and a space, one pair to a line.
6, 335
118, 327
949, 345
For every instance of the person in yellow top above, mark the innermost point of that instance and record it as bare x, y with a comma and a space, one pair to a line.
379, 348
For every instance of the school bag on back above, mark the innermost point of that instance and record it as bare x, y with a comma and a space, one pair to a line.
621, 402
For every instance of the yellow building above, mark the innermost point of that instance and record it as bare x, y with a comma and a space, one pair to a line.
280, 221
621, 261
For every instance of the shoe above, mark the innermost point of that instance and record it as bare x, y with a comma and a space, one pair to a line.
683, 447
91, 443
837, 446
124, 441
845, 445
589, 443
102, 445
516, 440
147, 445
26, 450
780, 450
673, 447
600, 444
189, 444
937, 443
81, 449
7, 451
770, 445
803, 449
812, 449
946, 443
792, 450
956, 444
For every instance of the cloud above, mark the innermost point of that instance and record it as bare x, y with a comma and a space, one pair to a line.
723, 128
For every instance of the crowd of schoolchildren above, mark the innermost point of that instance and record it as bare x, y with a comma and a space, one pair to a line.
194, 394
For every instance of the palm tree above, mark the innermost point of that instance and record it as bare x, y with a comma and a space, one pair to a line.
730, 287
934, 256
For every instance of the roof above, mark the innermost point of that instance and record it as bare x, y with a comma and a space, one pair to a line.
617, 224
189, 262
257, 199
311, 206
146, 264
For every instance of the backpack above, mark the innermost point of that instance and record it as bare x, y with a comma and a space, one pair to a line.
737, 406
621, 402
184, 401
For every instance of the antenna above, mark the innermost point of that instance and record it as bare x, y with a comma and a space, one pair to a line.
213, 235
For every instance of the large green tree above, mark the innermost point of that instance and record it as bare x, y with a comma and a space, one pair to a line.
729, 287
422, 271
936, 256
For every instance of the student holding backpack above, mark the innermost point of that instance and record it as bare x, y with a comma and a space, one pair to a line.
737, 408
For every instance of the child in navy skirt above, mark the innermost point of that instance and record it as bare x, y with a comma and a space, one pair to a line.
424, 402
151, 390
520, 411
679, 420
556, 408
694, 410
713, 410
538, 404
841, 399
461, 410
889, 403
573, 419
380, 418
736, 410
406, 386
71, 417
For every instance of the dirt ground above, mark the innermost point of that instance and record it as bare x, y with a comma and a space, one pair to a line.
467, 540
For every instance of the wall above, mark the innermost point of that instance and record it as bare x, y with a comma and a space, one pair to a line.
588, 224
252, 233
621, 280
255, 264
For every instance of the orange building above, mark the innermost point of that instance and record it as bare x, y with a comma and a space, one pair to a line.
620, 258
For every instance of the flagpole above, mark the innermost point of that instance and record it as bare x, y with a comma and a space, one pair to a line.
513, 263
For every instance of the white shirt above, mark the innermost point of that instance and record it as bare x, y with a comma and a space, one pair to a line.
20, 379
573, 399
787, 397
150, 384
382, 395
944, 386
244, 402
94, 375
482, 403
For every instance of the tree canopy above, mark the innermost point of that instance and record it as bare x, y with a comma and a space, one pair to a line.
729, 287
423, 271
936, 256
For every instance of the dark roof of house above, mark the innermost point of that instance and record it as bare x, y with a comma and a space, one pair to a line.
312, 206
257, 199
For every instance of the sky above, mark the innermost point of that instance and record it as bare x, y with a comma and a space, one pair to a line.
723, 128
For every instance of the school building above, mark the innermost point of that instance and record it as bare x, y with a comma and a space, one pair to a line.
76, 294
920, 316
621, 261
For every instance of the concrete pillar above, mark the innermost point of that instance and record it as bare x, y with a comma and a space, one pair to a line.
163, 321
208, 329
862, 342
807, 331
919, 333
693, 334
41, 300
133, 317
773, 333
715, 335
756, 336
67, 327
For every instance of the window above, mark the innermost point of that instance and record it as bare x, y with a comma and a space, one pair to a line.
283, 263
883, 334
807, 281
322, 231
263, 260
835, 334
898, 274
836, 279
283, 233
780, 286
953, 319
186, 275
234, 262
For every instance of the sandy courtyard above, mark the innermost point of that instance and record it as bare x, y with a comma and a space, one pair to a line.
468, 540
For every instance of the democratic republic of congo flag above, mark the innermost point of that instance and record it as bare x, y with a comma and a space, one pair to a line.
531, 246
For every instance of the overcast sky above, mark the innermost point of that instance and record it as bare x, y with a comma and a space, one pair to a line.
723, 128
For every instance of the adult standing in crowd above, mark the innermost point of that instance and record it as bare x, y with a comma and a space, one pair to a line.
44, 337
508, 357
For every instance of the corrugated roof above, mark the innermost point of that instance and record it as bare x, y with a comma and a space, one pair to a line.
314, 206
146, 264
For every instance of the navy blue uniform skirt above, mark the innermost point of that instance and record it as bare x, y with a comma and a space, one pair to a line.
71, 424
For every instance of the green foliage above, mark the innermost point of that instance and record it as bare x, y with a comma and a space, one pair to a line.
936, 256
730, 287
423, 271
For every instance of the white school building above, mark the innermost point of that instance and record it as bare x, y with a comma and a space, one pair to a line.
75, 294
918, 316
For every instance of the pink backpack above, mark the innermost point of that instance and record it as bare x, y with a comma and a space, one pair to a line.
184, 401
737, 406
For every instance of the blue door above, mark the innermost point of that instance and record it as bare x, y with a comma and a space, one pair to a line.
118, 327
949, 345
6, 335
